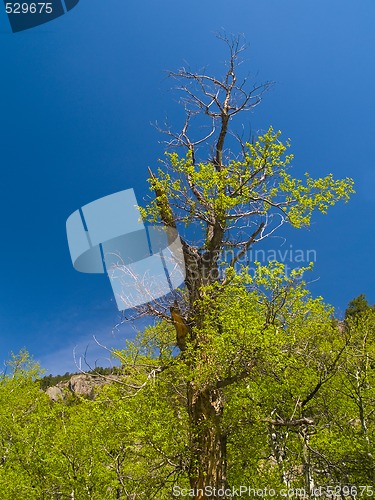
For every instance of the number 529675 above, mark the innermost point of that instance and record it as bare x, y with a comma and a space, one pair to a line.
28, 8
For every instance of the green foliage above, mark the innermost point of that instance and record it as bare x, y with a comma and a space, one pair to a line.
260, 177
307, 398
357, 306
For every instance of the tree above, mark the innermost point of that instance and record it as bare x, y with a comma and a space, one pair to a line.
301, 418
242, 378
357, 306
223, 201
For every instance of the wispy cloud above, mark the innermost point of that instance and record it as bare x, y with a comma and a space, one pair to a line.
87, 351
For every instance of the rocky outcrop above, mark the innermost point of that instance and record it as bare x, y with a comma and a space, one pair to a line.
84, 385
80, 385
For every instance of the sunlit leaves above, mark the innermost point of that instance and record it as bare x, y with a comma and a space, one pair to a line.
255, 184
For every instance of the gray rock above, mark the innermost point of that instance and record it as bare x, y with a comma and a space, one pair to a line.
55, 393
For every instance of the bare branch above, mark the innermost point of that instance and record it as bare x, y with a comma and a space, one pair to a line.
247, 245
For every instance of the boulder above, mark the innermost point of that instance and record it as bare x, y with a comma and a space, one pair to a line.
55, 393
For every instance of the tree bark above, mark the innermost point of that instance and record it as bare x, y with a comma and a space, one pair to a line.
208, 470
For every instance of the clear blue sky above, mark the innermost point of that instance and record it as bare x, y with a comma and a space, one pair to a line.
77, 97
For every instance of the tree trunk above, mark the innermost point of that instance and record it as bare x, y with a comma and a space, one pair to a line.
208, 443
307, 469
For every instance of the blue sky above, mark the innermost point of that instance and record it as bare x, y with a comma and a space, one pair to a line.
78, 96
